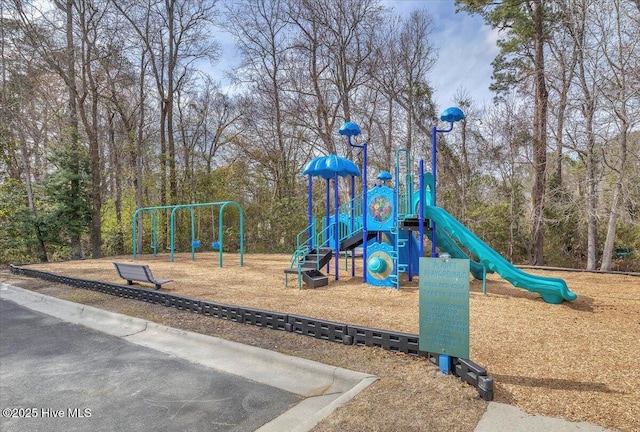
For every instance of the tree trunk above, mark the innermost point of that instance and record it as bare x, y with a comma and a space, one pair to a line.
40, 244
139, 151
171, 146
96, 173
591, 210
116, 163
539, 141
609, 244
619, 101
75, 240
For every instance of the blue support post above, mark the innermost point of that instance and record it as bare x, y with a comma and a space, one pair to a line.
336, 229
351, 129
326, 230
445, 364
409, 266
364, 214
421, 208
450, 115
353, 222
310, 211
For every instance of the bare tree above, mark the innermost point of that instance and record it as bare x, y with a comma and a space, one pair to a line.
175, 34
506, 156
588, 76
405, 56
621, 49
561, 72
261, 31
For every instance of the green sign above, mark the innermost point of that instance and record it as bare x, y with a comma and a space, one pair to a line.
444, 306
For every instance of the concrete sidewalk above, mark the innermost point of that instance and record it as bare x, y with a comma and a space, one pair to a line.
323, 388
501, 417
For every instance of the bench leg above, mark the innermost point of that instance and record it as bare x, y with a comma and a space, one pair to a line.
129, 282
158, 286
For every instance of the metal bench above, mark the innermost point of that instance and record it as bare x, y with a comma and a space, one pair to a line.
139, 273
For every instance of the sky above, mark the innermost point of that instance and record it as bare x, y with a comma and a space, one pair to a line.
466, 48
465, 44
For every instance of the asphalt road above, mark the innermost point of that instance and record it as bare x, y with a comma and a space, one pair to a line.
58, 376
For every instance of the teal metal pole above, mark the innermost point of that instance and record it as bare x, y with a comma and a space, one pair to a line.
172, 224
484, 279
241, 234
154, 232
171, 230
221, 232
193, 239
134, 230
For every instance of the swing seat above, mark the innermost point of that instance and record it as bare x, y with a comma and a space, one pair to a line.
215, 245
195, 244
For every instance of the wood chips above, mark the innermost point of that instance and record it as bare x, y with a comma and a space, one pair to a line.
577, 360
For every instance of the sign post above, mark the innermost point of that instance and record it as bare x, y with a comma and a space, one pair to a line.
444, 308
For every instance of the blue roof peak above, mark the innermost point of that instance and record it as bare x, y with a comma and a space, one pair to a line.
349, 129
452, 114
328, 166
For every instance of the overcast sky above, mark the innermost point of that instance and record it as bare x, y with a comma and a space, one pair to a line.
466, 49
465, 45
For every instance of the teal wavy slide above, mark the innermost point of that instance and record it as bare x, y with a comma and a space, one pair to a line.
552, 290
446, 243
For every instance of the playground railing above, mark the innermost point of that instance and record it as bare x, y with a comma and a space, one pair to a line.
404, 205
303, 246
316, 240
351, 220
325, 236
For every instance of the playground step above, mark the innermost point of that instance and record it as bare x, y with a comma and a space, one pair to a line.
317, 259
311, 277
413, 224
355, 240
315, 278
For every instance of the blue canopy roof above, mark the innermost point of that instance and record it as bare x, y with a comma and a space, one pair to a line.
452, 114
384, 176
349, 129
327, 167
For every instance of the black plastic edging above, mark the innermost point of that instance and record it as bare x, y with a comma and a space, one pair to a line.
319, 329
468, 371
392, 341
263, 318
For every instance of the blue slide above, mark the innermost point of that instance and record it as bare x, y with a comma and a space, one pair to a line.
552, 290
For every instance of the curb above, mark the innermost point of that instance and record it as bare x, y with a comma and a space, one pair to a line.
464, 369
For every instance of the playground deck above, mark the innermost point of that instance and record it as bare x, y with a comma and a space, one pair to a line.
574, 360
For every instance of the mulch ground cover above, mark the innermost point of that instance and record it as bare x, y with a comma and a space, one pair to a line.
577, 360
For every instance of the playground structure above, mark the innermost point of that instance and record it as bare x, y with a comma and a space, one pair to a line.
390, 225
216, 244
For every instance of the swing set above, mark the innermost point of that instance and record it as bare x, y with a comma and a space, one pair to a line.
195, 243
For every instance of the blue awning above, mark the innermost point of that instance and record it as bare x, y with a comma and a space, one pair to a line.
328, 166
384, 176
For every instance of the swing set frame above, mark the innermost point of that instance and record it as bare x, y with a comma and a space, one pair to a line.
172, 225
